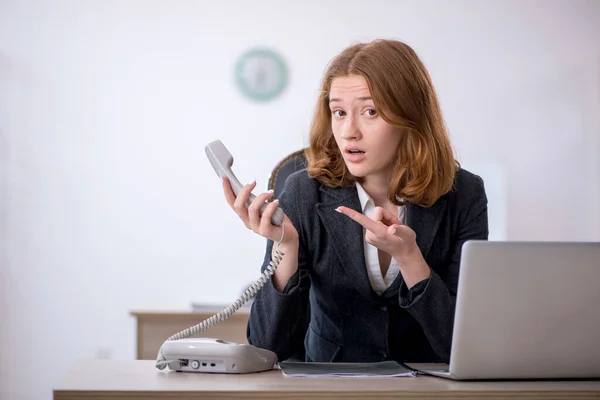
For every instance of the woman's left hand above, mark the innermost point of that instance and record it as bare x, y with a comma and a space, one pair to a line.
385, 232
388, 234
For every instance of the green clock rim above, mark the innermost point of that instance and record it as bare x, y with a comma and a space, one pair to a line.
279, 61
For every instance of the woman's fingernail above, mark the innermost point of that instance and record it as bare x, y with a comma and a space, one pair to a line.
275, 201
270, 191
252, 182
394, 231
338, 210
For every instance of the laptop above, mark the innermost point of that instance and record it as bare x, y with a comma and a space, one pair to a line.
526, 310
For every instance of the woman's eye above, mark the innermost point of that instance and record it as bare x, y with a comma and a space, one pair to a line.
339, 113
372, 112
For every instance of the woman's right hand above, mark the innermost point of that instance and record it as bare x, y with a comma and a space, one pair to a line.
250, 215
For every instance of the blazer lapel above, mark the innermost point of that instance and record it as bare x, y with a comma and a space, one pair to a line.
346, 236
425, 222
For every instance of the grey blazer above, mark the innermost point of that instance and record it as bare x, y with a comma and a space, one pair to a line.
328, 310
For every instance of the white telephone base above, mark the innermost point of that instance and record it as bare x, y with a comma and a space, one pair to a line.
216, 356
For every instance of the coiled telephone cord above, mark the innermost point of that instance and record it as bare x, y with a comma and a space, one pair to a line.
161, 361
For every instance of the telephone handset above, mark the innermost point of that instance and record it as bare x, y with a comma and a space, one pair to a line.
181, 352
221, 160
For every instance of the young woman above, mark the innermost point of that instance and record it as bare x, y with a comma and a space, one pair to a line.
374, 225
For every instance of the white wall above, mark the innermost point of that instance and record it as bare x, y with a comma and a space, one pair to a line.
109, 204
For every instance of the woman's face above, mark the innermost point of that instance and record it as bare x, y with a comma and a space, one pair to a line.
367, 142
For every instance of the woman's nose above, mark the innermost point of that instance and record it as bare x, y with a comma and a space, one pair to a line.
350, 130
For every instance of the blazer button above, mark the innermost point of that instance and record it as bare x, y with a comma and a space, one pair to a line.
383, 308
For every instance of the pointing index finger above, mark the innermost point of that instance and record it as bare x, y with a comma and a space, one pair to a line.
362, 219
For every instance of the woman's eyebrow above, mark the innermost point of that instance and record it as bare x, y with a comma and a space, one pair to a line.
363, 98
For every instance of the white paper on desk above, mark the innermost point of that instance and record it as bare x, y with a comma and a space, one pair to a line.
381, 369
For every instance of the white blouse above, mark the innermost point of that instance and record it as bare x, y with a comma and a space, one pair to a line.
379, 283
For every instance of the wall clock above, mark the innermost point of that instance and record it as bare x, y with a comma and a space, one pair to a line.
261, 74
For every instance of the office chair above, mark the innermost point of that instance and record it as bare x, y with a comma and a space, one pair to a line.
284, 168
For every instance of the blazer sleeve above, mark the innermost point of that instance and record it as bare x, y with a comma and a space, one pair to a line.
278, 320
433, 305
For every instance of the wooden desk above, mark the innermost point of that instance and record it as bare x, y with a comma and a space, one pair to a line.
139, 379
153, 327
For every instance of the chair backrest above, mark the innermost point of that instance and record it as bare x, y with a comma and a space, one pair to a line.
284, 168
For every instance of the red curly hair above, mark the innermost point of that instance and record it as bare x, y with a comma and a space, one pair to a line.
402, 91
